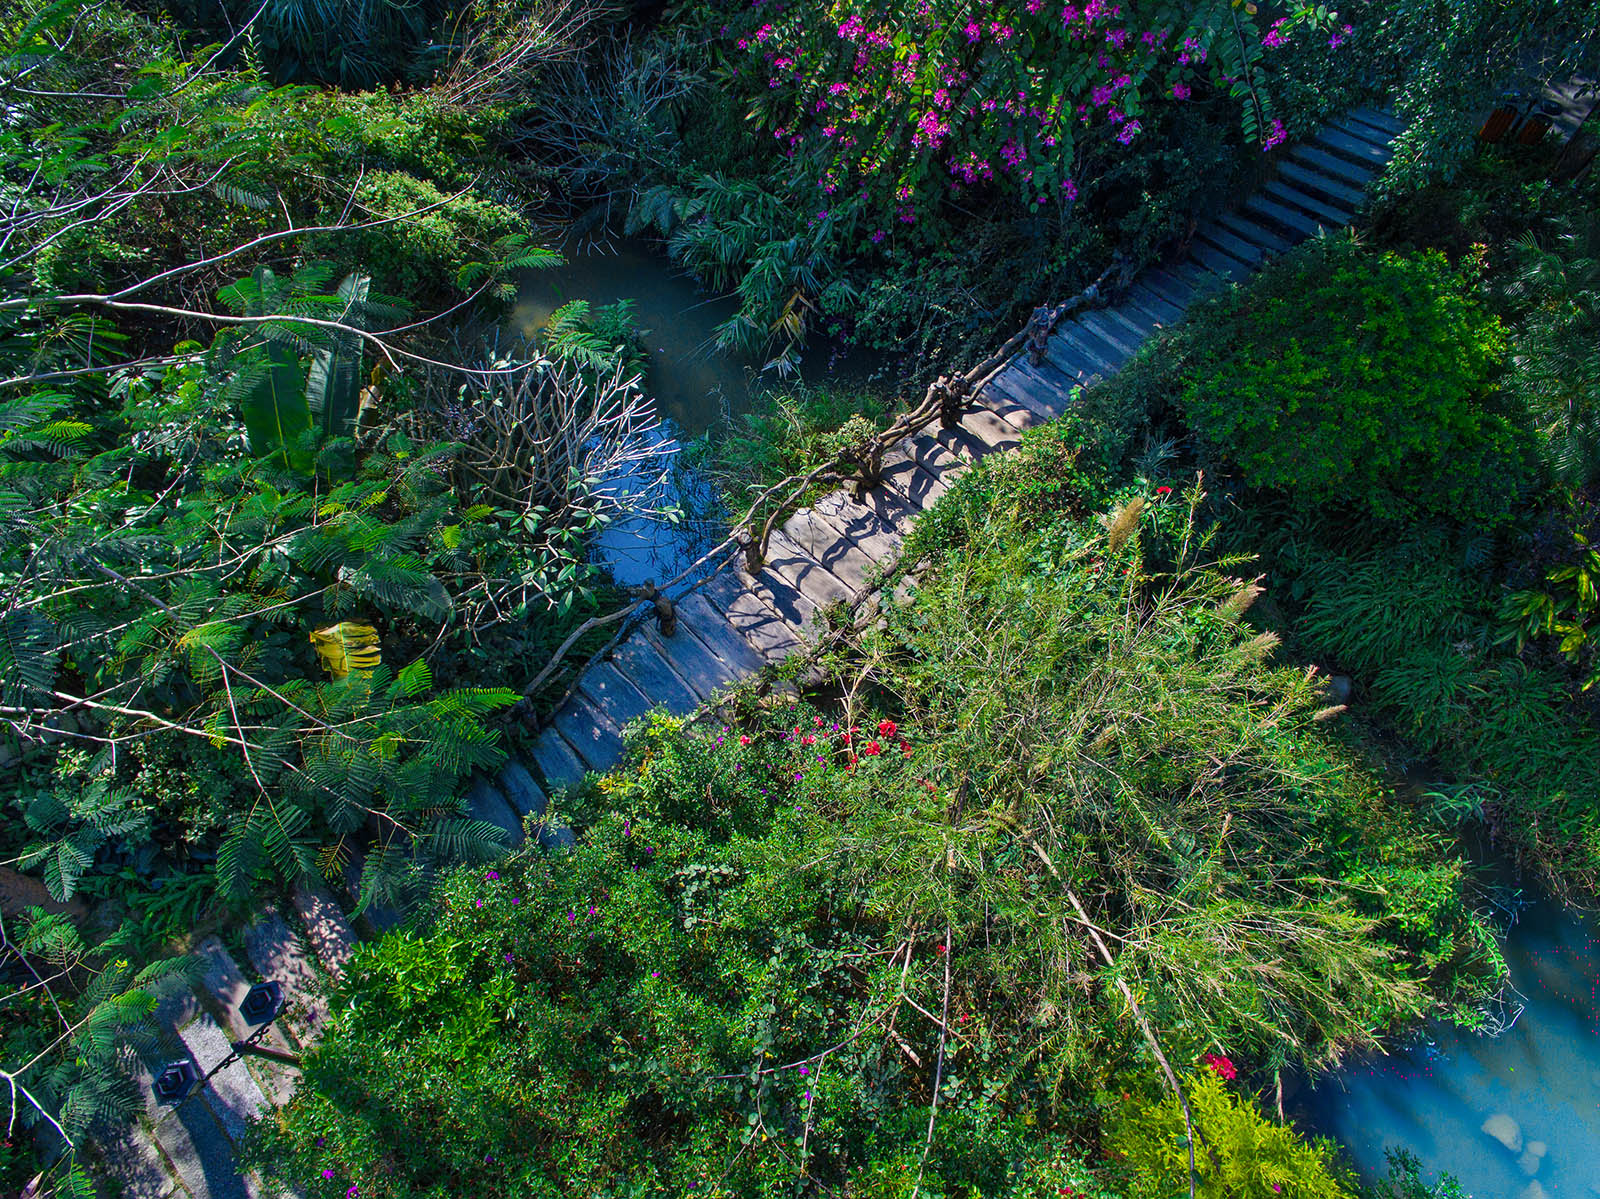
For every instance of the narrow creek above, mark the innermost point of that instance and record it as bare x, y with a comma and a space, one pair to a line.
695, 386
1512, 1116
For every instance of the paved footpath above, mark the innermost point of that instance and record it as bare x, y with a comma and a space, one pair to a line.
735, 623
726, 631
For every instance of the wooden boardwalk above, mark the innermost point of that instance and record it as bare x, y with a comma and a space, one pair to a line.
735, 623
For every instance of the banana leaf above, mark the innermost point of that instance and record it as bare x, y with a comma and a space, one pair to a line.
346, 647
333, 386
272, 399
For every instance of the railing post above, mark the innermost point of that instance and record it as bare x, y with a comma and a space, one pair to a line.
869, 468
953, 392
1038, 334
752, 551
666, 616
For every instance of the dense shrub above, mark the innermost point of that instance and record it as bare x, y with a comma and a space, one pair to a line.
1359, 380
786, 947
423, 254
886, 111
1241, 1154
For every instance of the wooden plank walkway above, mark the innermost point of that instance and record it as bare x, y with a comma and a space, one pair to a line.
837, 548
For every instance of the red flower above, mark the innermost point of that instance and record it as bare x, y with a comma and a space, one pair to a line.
886, 728
1221, 1065
905, 748
744, 739
872, 749
1163, 491
808, 739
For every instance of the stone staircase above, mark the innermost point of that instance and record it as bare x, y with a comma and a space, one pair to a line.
189, 1150
735, 623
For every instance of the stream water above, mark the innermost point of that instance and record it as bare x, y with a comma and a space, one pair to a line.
695, 386
1513, 1116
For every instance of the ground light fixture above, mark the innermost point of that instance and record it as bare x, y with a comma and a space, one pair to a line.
176, 1080
262, 1004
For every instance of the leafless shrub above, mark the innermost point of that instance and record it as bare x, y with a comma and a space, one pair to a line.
498, 48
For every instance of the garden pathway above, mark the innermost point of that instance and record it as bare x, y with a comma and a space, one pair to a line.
727, 630
836, 549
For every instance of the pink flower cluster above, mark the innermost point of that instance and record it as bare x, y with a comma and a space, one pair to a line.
876, 118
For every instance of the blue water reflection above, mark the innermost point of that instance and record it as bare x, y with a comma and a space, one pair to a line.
1513, 1116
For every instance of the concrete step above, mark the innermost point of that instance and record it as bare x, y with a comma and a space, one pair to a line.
127, 1158
1049, 384
803, 572
1097, 324
750, 616
332, 939
1297, 223
873, 534
705, 673
1348, 144
1174, 289
1364, 132
1209, 258
199, 1151
823, 544
1072, 347
224, 987
1118, 315
232, 1094
607, 688
1016, 386
1232, 245
278, 953
1335, 166
485, 802
704, 621
988, 427
1385, 122
1329, 215
590, 731
1255, 233
524, 795
1019, 417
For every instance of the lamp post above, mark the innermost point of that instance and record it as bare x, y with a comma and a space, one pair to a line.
262, 1004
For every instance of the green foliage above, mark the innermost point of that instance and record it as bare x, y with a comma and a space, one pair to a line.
349, 43
1405, 1181
1450, 64
601, 341
778, 939
73, 1008
433, 236
1566, 607
789, 430
1558, 348
1419, 631
1057, 474
1242, 1154
1357, 380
